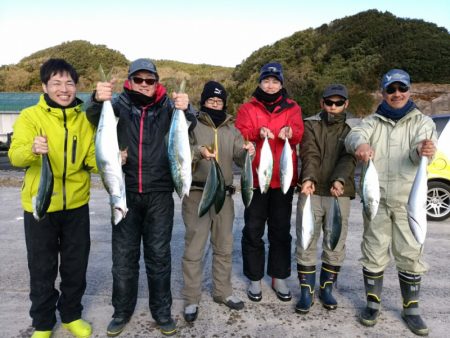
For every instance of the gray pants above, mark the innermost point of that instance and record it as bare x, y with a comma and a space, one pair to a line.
321, 206
220, 227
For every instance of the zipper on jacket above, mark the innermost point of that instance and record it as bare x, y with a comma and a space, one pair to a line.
74, 149
216, 144
66, 132
141, 135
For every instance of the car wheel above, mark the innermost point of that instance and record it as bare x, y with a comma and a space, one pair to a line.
438, 201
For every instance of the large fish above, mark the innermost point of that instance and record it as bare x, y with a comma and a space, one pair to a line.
370, 191
334, 224
416, 207
265, 167
220, 193
109, 162
247, 180
307, 224
286, 167
444, 140
179, 152
209, 190
42, 200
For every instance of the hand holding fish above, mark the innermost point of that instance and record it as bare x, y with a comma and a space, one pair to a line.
426, 148
337, 189
364, 152
40, 145
250, 147
180, 100
206, 154
104, 90
265, 132
308, 187
285, 132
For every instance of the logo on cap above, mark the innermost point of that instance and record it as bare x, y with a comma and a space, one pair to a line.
217, 91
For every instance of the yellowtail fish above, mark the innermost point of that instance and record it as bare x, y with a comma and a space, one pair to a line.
209, 190
286, 167
265, 167
219, 199
334, 224
109, 162
416, 207
42, 200
307, 224
370, 191
247, 180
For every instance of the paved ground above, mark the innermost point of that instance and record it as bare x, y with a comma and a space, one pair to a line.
269, 318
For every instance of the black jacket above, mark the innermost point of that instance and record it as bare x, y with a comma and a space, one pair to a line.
144, 131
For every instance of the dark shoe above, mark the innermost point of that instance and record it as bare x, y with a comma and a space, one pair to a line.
167, 327
415, 324
369, 316
116, 326
284, 297
233, 303
190, 316
254, 297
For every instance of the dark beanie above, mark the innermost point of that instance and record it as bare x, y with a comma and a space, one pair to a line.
213, 89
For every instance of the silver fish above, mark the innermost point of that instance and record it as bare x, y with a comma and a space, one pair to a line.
370, 191
219, 199
307, 224
334, 224
209, 191
42, 200
286, 167
265, 167
247, 180
416, 207
109, 162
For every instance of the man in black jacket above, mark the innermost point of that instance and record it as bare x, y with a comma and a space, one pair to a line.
145, 111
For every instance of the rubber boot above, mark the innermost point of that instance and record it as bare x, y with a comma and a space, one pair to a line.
328, 276
410, 287
307, 278
373, 282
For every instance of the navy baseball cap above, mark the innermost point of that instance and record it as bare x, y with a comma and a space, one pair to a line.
142, 64
395, 75
272, 69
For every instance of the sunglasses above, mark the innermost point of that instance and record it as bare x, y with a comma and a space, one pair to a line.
400, 88
139, 80
330, 103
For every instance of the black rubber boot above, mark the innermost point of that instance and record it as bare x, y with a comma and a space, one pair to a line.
373, 282
410, 287
328, 276
307, 278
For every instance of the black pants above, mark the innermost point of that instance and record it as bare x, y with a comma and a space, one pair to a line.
275, 208
150, 220
64, 234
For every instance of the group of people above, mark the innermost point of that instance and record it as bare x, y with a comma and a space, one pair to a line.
331, 142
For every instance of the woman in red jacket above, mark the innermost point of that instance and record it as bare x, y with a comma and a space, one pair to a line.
269, 113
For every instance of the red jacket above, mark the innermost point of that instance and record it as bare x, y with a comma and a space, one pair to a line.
253, 115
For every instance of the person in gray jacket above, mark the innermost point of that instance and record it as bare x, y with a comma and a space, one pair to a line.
216, 137
395, 138
327, 173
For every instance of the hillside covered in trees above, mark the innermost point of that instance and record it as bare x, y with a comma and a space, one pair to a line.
354, 50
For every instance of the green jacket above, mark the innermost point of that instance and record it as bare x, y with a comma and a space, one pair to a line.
71, 153
228, 144
323, 154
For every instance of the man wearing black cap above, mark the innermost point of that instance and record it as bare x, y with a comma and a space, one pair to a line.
216, 137
395, 138
327, 173
144, 110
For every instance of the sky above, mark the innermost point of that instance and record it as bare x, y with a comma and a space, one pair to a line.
213, 32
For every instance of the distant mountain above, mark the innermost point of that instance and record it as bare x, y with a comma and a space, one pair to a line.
356, 51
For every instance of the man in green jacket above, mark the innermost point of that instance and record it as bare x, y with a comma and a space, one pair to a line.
327, 173
58, 127
394, 137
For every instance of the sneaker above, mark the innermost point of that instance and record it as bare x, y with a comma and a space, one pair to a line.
190, 313
79, 328
41, 334
232, 302
116, 326
167, 327
281, 290
254, 292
